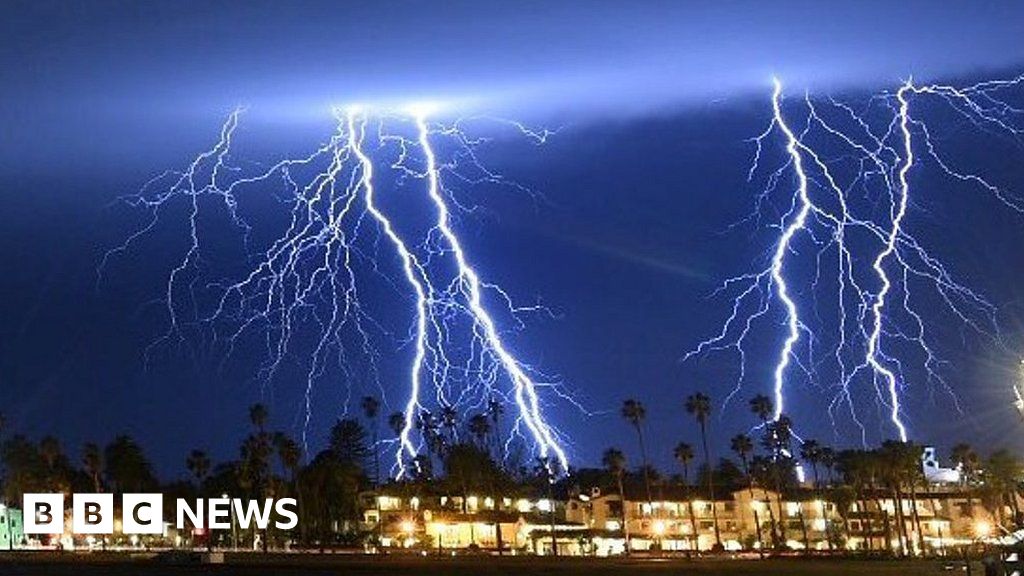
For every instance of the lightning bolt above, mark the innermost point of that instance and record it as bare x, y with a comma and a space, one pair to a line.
306, 281
852, 198
797, 223
469, 283
873, 356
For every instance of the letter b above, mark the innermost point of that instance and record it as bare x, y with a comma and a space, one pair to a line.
93, 514
44, 513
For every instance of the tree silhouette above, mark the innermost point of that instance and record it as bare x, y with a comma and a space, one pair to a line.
614, 462
699, 406
635, 413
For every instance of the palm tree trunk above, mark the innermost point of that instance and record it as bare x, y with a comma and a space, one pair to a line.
694, 538
625, 519
821, 498
888, 530
803, 529
866, 526
917, 518
782, 514
901, 521
778, 496
771, 519
757, 521
711, 482
1014, 506
643, 456
376, 481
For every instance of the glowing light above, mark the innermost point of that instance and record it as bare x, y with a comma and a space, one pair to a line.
422, 109
982, 529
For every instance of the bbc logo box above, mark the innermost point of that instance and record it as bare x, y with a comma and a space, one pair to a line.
94, 514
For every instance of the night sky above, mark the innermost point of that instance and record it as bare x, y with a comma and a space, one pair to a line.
656, 102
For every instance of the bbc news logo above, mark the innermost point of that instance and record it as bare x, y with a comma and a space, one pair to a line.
144, 513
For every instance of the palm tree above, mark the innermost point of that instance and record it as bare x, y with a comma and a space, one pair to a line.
545, 471
967, 459
371, 410
479, 426
289, 453
258, 415
256, 453
683, 454
92, 461
450, 420
495, 410
49, 449
198, 463
699, 406
1002, 472
812, 452
855, 471
893, 458
743, 446
915, 477
635, 413
828, 460
126, 467
429, 428
762, 471
615, 462
396, 422
761, 406
778, 436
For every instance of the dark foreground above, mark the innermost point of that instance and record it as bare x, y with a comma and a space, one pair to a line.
89, 564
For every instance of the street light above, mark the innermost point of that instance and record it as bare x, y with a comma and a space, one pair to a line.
659, 532
408, 528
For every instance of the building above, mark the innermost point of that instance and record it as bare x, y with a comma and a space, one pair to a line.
674, 523
514, 524
12, 528
598, 523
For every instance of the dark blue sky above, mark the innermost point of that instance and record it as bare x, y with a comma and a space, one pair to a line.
656, 99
